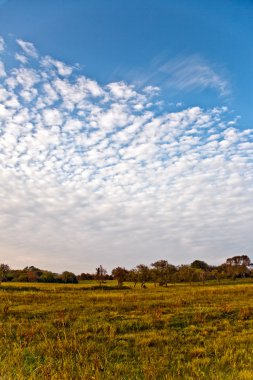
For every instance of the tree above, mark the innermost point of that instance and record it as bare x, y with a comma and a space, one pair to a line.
143, 273
162, 272
48, 276
133, 276
187, 273
239, 260
85, 276
68, 277
120, 274
201, 275
237, 266
33, 273
218, 273
4, 269
22, 277
198, 264
236, 271
100, 274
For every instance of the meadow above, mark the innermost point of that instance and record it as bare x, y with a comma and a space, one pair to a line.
74, 332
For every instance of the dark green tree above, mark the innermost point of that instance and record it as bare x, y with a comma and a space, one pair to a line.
133, 276
162, 272
68, 277
48, 276
143, 273
198, 264
120, 274
4, 270
187, 274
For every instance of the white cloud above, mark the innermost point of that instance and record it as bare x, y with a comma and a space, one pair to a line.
2, 44
91, 86
62, 69
2, 70
73, 125
114, 117
121, 90
151, 90
28, 48
52, 117
193, 73
21, 58
91, 175
25, 77
52, 95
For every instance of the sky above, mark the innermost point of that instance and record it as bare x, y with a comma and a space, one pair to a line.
125, 132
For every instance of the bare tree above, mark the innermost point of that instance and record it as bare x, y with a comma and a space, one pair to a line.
100, 274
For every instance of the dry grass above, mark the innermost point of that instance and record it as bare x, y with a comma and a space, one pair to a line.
181, 332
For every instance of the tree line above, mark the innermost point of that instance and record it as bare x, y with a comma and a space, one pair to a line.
33, 274
161, 273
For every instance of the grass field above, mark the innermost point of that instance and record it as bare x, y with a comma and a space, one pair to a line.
67, 332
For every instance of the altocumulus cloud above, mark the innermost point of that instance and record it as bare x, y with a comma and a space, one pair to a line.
96, 174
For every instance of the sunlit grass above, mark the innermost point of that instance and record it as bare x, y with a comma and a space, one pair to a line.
53, 331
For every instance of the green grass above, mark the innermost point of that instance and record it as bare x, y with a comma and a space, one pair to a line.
77, 332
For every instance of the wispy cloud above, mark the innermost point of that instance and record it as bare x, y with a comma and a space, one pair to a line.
28, 48
194, 73
97, 174
183, 74
2, 70
2, 44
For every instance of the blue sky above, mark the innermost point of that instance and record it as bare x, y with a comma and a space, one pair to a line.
125, 132
115, 40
